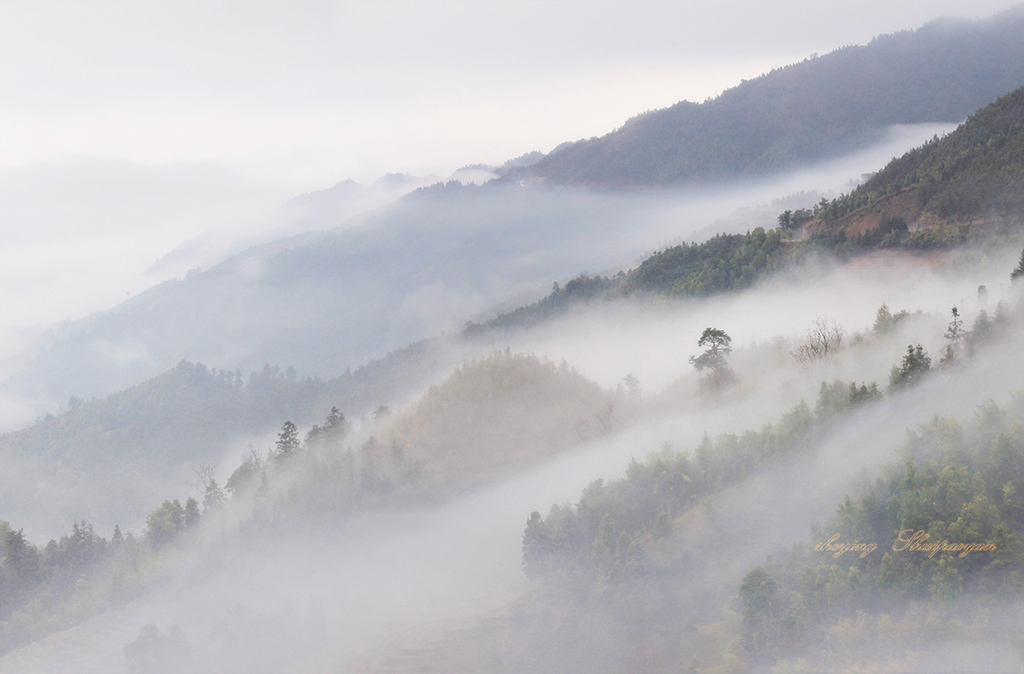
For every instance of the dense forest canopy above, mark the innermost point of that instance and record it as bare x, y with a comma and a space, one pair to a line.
972, 174
924, 551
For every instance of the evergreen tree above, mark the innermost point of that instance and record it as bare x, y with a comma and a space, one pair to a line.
164, 523
758, 592
22, 559
883, 320
714, 357
287, 440
153, 652
537, 547
981, 330
955, 337
214, 498
915, 365
1019, 271
244, 477
333, 431
191, 513
336, 426
261, 502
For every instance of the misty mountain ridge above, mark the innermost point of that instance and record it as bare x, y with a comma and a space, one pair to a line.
153, 432
344, 204
802, 113
336, 197
217, 406
316, 300
972, 176
963, 188
724, 263
635, 473
438, 257
233, 314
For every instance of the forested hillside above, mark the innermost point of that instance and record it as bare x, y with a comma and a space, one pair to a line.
974, 174
964, 188
947, 561
924, 552
109, 454
505, 411
793, 116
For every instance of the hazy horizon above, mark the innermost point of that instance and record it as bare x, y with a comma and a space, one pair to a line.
135, 128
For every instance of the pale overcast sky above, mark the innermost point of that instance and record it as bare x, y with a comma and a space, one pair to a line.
126, 127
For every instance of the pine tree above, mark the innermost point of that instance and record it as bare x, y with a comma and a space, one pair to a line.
191, 512
333, 431
213, 499
914, 366
287, 440
717, 350
955, 337
1019, 271
261, 502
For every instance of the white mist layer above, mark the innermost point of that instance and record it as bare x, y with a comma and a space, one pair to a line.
340, 598
434, 265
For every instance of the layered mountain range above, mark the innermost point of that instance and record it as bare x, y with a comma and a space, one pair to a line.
415, 334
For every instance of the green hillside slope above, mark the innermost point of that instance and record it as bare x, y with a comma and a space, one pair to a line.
974, 174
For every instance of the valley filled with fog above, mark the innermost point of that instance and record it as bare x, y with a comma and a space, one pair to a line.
346, 291
331, 300
369, 592
734, 387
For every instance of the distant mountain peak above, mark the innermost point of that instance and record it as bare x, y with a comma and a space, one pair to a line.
819, 108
